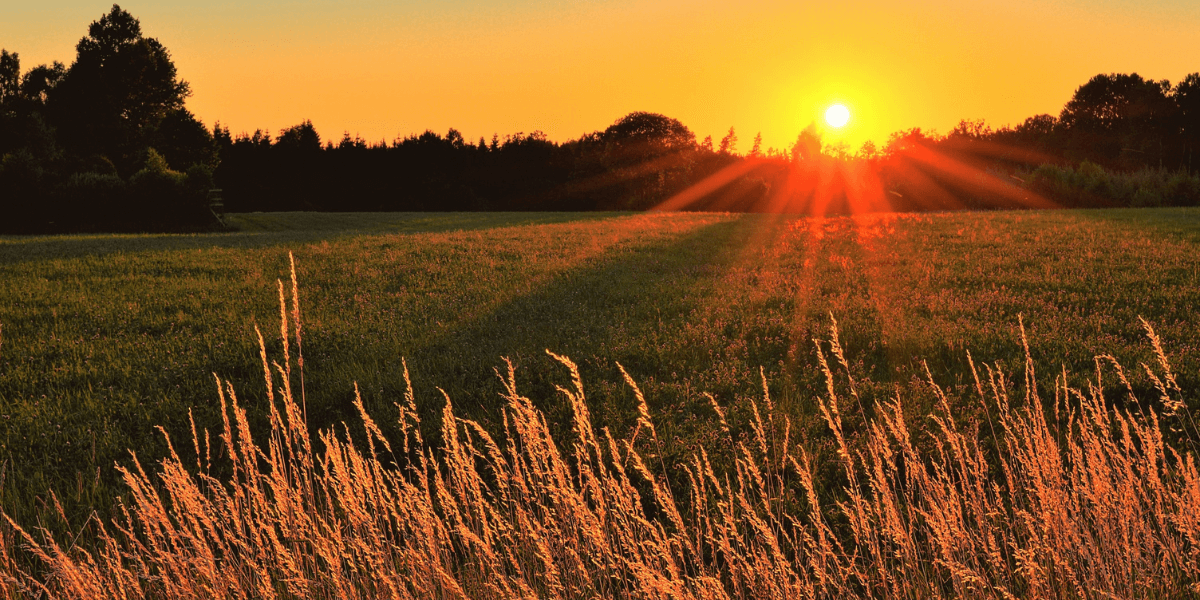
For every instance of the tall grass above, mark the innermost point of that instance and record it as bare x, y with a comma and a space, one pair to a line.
1058, 492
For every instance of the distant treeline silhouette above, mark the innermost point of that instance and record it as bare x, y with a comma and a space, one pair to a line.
107, 144
632, 165
1113, 124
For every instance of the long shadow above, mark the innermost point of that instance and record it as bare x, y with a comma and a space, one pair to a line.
274, 230
1182, 223
159, 370
626, 307
404, 222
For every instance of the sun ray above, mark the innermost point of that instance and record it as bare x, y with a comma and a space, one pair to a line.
690, 196
979, 180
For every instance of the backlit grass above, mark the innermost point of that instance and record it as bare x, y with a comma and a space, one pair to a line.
106, 336
1069, 495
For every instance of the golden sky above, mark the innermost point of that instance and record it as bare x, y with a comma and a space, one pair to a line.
384, 68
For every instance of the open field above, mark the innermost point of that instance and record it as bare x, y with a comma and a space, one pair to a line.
106, 336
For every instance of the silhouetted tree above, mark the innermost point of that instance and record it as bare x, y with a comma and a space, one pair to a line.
302, 137
902, 141
10, 78
1120, 120
1039, 125
868, 151
27, 151
971, 130
183, 140
1187, 98
10, 85
455, 138
729, 143
74, 140
39, 81
756, 149
120, 86
649, 155
808, 144
649, 134
221, 137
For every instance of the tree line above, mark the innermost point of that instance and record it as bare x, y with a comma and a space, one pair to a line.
631, 165
1121, 140
107, 144
1114, 122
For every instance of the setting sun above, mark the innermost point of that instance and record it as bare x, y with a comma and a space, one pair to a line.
837, 116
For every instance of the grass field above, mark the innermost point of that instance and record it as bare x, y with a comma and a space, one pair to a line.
106, 336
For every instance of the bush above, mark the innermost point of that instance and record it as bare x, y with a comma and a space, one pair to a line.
88, 200
164, 198
1091, 185
21, 190
1145, 196
95, 198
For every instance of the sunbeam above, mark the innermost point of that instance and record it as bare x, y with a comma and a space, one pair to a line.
708, 185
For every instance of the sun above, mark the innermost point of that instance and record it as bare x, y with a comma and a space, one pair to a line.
837, 116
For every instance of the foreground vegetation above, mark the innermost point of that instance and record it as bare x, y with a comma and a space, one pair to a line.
1073, 495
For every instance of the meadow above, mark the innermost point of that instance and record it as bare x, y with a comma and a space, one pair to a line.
105, 337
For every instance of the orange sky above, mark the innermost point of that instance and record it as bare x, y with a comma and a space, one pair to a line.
384, 68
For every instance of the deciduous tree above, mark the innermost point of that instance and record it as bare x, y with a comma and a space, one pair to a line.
120, 86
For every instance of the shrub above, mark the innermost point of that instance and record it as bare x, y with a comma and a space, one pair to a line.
1146, 196
89, 200
163, 198
21, 192
1091, 185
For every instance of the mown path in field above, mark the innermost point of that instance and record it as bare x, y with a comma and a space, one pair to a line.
106, 336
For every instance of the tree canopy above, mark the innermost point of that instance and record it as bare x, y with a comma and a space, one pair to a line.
77, 143
1114, 116
649, 133
120, 87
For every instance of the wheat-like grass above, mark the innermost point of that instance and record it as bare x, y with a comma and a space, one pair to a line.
1094, 502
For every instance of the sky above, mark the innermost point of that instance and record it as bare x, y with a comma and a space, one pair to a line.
381, 69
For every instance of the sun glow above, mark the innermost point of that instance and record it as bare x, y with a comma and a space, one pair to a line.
837, 116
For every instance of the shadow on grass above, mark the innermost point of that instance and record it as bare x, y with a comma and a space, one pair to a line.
1182, 223
626, 306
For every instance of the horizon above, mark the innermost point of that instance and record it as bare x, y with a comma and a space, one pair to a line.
384, 72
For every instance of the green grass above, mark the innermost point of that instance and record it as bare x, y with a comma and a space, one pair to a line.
106, 336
